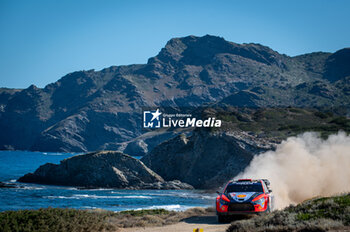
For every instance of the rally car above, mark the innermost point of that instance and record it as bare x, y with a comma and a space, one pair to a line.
244, 196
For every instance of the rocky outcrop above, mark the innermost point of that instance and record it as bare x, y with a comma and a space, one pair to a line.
7, 185
205, 160
174, 184
337, 66
107, 169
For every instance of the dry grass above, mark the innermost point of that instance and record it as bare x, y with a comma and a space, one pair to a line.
55, 219
146, 219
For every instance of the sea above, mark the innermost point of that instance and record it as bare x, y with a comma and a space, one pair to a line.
14, 164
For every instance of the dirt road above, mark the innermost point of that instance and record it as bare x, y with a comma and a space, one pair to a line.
207, 223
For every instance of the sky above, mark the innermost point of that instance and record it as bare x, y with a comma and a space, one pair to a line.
43, 40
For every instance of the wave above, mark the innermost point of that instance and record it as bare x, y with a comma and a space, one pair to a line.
32, 188
175, 194
56, 153
175, 207
194, 196
88, 207
80, 196
98, 189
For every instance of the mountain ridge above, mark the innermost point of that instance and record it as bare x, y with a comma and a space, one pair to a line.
93, 110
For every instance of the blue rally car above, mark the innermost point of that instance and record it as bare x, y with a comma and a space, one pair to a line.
244, 196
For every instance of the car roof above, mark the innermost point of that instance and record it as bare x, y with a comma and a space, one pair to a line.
248, 182
245, 181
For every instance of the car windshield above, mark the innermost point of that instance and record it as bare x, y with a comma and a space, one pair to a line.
244, 188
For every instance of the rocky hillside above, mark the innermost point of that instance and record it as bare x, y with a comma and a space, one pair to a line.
204, 160
207, 159
107, 169
94, 110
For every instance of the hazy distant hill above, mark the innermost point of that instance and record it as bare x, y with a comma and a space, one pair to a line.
93, 110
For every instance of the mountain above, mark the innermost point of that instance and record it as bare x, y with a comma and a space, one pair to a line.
95, 110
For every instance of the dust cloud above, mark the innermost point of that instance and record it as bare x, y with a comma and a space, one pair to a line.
304, 167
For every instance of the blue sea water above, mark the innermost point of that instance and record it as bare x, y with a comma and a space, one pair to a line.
14, 164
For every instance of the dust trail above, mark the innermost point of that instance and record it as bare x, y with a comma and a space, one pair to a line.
303, 167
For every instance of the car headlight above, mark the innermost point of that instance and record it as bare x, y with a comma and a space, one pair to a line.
260, 201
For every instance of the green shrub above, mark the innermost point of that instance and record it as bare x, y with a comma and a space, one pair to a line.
341, 121
145, 212
321, 214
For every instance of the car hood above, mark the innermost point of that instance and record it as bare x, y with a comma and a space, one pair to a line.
243, 196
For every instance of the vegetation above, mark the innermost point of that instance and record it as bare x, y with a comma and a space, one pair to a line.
144, 212
320, 214
57, 219
280, 123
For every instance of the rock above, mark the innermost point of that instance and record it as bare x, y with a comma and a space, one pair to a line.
6, 185
204, 160
242, 98
105, 169
337, 66
136, 148
175, 185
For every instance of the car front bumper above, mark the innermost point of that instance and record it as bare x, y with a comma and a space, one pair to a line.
241, 209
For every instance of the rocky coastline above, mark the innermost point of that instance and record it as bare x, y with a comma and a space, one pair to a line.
104, 169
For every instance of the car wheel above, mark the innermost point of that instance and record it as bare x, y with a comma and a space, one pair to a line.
268, 209
222, 218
